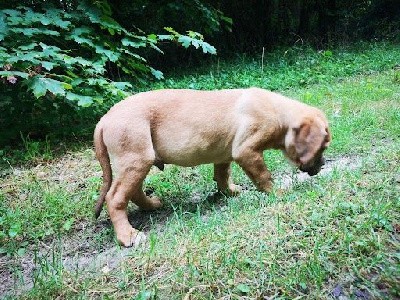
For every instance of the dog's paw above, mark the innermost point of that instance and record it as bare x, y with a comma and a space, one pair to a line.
266, 188
152, 203
132, 238
155, 202
234, 190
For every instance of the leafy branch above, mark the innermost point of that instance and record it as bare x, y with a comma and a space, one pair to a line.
70, 55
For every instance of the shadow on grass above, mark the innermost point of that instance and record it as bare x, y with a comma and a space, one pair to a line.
146, 220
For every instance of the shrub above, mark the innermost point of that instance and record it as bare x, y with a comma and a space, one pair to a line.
59, 67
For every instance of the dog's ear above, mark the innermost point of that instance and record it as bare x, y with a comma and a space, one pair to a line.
309, 139
328, 138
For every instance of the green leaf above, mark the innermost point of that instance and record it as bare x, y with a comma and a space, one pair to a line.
76, 60
84, 101
152, 45
82, 40
48, 65
31, 57
32, 17
171, 30
157, 74
98, 81
143, 295
80, 30
3, 27
14, 73
21, 252
12, 233
33, 31
207, 48
45, 20
40, 86
54, 86
243, 288
16, 21
110, 24
132, 43
122, 85
227, 20
111, 31
165, 37
111, 55
28, 46
67, 86
14, 230
152, 37
185, 40
49, 50
62, 24
77, 81
196, 44
96, 16
195, 35
11, 12
68, 224
58, 17
132, 54
97, 67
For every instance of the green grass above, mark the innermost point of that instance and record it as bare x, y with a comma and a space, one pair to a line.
289, 67
338, 233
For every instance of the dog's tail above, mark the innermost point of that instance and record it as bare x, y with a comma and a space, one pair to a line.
104, 159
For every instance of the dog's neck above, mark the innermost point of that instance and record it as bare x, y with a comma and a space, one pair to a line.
290, 117
278, 141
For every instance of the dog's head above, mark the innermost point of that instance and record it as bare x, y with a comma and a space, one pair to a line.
306, 142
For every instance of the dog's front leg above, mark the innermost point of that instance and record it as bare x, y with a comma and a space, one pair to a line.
252, 162
222, 175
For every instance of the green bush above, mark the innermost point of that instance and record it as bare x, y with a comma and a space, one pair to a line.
60, 67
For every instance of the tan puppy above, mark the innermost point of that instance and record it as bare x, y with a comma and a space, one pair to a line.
188, 128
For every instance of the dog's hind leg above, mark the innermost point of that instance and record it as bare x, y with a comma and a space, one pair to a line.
131, 173
144, 202
222, 175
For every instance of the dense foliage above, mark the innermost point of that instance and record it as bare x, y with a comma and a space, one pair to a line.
54, 62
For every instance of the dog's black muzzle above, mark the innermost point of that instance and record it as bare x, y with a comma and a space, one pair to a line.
314, 168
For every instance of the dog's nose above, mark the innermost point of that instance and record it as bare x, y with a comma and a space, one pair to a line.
313, 172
